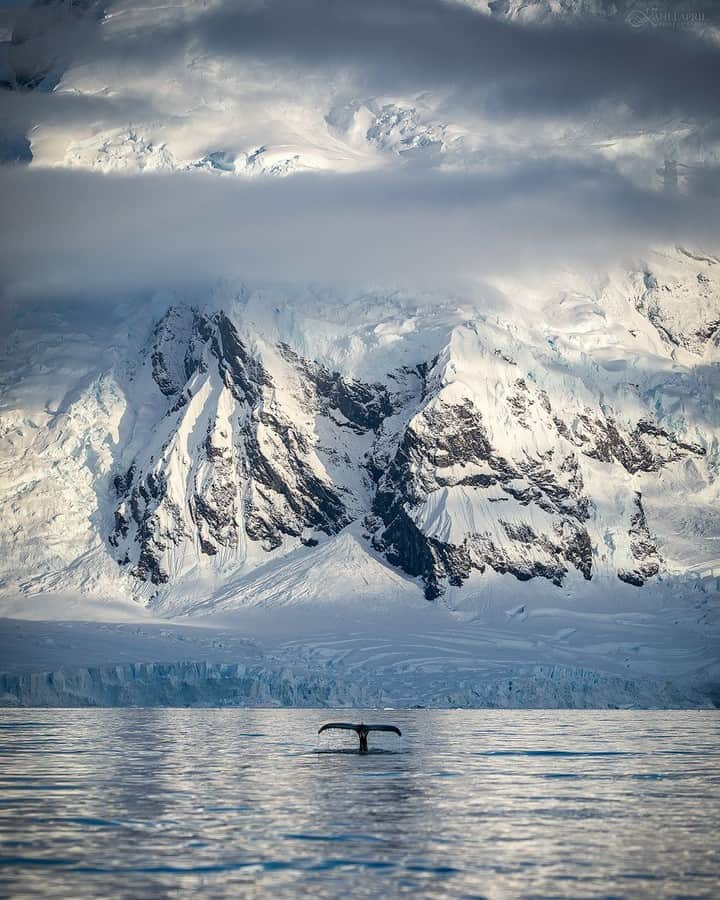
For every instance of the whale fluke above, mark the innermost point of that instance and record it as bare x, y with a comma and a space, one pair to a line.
361, 730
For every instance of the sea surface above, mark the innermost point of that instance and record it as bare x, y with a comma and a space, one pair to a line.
164, 802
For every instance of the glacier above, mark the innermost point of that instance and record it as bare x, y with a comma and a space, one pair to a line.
378, 661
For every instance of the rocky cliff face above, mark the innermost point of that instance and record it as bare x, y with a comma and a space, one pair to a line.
446, 453
235, 463
489, 474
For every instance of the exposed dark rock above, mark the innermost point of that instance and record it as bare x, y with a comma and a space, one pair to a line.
646, 448
707, 332
651, 305
161, 376
522, 533
578, 551
642, 547
456, 433
217, 511
243, 374
149, 569
122, 483
508, 359
365, 406
312, 502
266, 529
141, 497
121, 528
284, 495
484, 553
478, 480
521, 401
667, 447
631, 577
544, 401
168, 350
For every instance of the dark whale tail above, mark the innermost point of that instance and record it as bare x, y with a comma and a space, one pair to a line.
361, 730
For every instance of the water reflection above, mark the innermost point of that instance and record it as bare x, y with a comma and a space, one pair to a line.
166, 802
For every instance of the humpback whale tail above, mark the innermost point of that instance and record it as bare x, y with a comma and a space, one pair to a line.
361, 730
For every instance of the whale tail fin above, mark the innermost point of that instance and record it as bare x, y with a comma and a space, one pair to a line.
348, 726
361, 730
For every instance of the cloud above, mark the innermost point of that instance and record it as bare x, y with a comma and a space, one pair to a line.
64, 232
481, 64
482, 61
20, 112
535, 194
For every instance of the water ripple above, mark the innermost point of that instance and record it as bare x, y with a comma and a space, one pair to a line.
144, 803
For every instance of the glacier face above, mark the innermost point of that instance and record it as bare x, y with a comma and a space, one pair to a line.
420, 659
238, 684
569, 437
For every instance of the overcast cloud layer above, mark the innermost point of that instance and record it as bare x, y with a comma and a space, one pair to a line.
68, 231
428, 44
561, 125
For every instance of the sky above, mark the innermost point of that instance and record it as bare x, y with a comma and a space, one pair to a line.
414, 142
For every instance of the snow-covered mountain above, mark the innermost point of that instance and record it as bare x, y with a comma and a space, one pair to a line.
216, 450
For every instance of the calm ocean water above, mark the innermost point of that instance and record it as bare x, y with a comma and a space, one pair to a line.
153, 803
